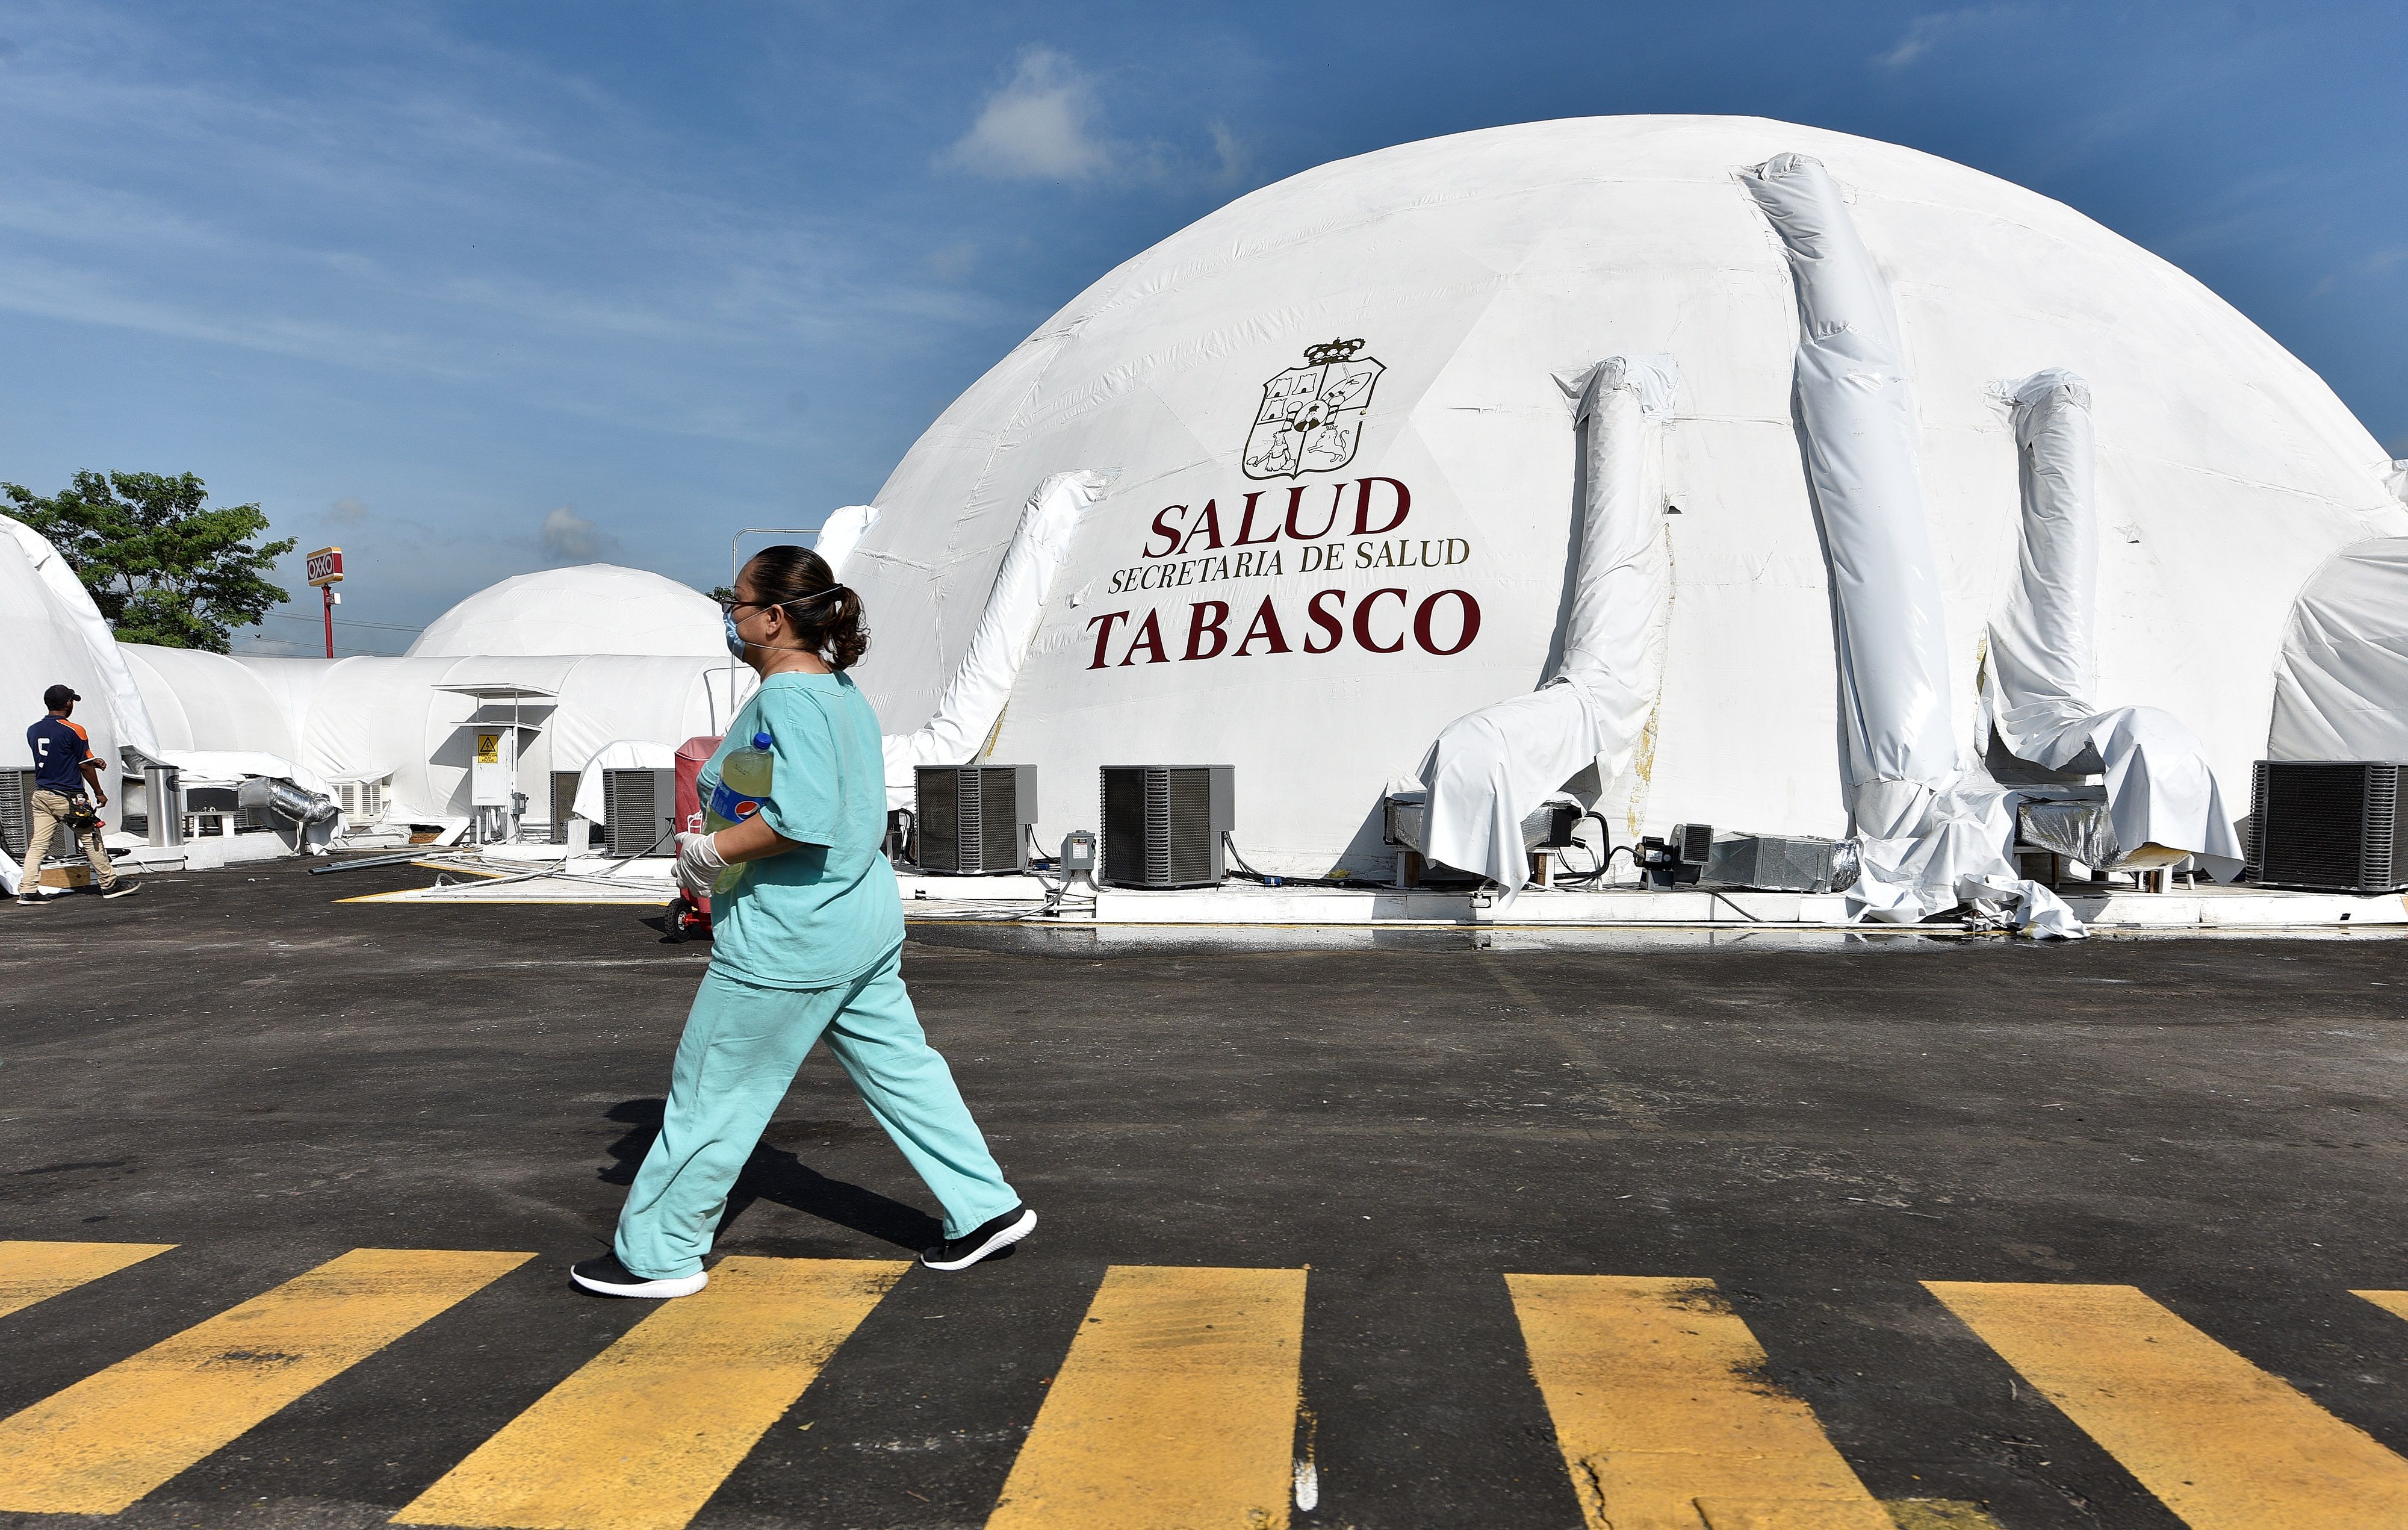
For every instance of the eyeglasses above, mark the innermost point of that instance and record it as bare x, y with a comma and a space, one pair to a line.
727, 603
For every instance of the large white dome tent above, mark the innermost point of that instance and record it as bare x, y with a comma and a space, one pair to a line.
1314, 621
591, 608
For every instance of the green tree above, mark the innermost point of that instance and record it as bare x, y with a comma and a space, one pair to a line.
163, 565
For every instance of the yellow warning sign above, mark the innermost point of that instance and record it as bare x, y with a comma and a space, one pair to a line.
489, 748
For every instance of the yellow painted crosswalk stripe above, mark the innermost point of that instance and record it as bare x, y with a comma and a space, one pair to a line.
1663, 1418
1175, 1409
2220, 1442
2393, 1301
104, 1443
644, 1434
35, 1272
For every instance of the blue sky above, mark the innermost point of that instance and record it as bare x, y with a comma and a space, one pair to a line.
476, 289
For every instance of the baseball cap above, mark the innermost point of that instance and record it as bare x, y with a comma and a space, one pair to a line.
58, 696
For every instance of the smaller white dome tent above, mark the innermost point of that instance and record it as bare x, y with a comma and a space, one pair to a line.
593, 608
408, 723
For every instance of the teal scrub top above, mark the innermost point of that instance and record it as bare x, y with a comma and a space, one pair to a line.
824, 914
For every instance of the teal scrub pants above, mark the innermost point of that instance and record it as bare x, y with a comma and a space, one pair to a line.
741, 1047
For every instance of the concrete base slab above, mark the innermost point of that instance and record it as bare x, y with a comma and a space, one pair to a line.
548, 874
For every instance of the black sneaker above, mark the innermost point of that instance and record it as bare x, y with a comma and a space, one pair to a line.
30, 900
605, 1277
123, 889
985, 1238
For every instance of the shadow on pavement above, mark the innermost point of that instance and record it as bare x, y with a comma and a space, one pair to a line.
779, 1175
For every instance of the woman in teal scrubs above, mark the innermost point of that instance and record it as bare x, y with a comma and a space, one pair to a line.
809, 944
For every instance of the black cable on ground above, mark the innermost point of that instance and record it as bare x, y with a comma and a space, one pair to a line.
1230, 842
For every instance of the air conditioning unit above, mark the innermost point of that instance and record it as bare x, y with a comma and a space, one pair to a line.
363, 801
563, 803
638, 810
2330, 826
975, 820
1163, 824
16, 813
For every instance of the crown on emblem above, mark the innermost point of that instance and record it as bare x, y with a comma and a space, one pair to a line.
1323, 355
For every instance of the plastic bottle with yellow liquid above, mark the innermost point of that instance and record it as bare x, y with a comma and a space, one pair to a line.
743, 782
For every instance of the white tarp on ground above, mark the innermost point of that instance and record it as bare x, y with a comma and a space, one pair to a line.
973, 701
2341, 689
1491, 769
1932, 835
1473, 268
2160, 790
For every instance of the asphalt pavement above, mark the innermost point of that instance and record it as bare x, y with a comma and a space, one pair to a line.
240, 1066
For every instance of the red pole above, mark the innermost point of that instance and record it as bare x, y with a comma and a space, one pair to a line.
328, 591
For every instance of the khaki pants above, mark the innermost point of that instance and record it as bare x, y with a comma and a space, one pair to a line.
51, 812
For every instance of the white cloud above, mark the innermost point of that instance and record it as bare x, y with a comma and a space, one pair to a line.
954, 261
1229, 151
569, 536
349, 511
1925, 33
1041, 125
274, 647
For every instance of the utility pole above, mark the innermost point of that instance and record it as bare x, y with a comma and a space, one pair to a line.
325, 569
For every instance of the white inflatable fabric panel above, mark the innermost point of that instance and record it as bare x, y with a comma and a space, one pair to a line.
2160, 790
973, 701
2041, 646
71, 605
208, 701
1491, 768
840, 533
1932, 837
2340, 687
1856, 413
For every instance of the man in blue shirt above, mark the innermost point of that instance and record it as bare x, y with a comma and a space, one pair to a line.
64, 767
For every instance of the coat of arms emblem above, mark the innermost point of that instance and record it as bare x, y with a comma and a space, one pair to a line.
1311, 416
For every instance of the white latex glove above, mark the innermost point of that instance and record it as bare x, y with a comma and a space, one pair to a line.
699, 863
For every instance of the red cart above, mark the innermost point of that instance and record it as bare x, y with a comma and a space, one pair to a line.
689, 916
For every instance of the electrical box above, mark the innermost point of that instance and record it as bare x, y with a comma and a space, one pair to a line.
639, 811
1078, 858
494, 764
1164, 824
2331, 826
1678, 861
974, 820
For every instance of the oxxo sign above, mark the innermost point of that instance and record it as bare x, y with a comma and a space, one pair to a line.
325, 566
1354, 526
